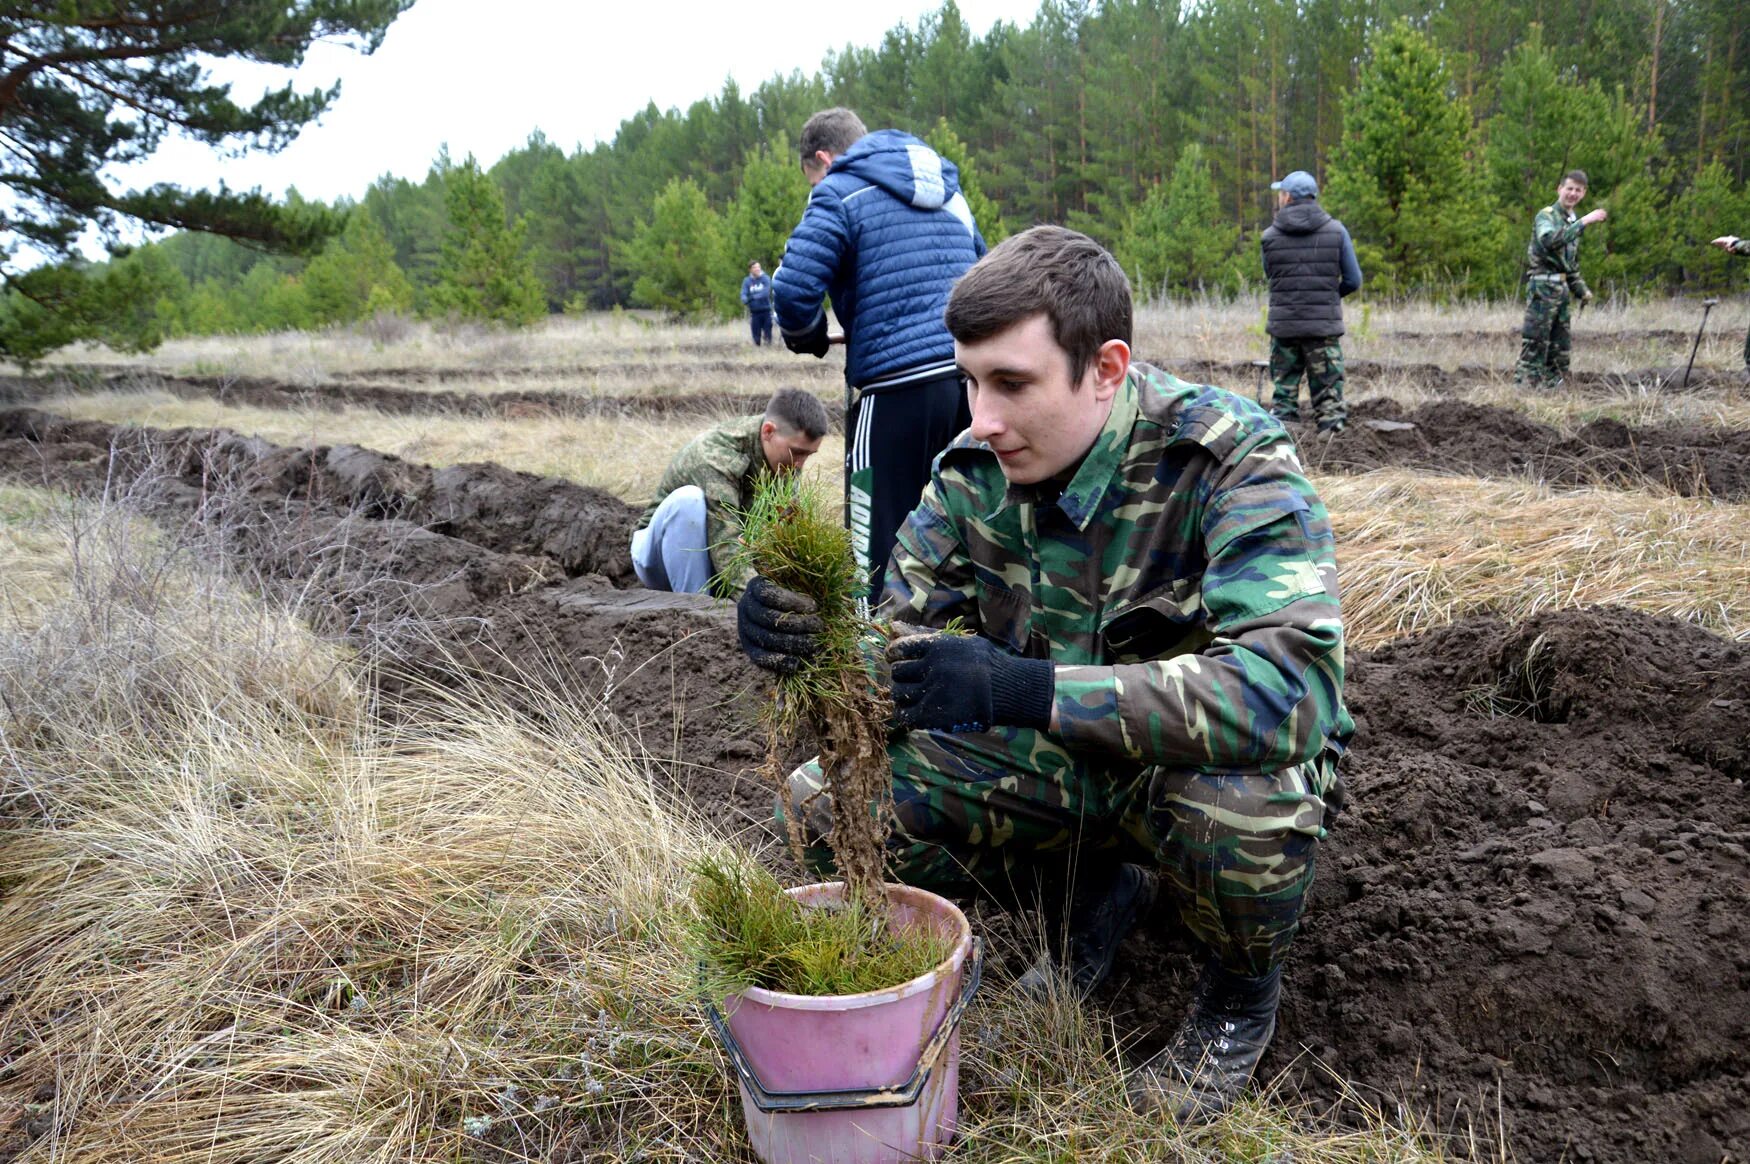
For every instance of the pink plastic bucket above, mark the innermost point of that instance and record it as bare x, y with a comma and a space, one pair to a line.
867, 1078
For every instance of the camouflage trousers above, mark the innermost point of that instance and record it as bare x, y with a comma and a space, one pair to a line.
997, 811
1321, 358
1546, 342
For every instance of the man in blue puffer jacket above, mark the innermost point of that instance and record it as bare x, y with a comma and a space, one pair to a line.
885, 235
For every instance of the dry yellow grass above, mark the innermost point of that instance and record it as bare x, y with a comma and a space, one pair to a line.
243, 920
617, 354
1416, 552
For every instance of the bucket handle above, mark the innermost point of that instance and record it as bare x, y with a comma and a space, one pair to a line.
904, 1095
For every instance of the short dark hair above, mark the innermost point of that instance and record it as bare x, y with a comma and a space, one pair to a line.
1578, 176
834, 130
795, 411
1063, 273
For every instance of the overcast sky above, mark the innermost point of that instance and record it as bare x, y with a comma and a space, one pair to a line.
480, 75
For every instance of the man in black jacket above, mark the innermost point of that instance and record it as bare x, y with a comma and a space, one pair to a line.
1310, 262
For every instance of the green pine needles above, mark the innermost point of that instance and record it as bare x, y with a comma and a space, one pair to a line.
790, 535
748, 932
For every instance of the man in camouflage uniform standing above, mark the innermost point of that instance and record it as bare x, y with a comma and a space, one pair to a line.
1734, 245
1311, 265
682, 538
1153, 682
1552, 280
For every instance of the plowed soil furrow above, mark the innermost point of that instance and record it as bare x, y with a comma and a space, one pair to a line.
1533, 915
577, 529
514, 404
1452, 436
1249, 379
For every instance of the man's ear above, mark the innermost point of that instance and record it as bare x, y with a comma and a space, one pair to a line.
767, 428
1111, 364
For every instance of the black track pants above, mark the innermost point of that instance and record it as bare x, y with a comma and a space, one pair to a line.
891, 438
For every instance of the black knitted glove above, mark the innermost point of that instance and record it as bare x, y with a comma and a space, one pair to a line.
777, 627
815, 342
963, 683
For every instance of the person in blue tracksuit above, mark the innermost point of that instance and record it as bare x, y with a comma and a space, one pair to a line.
884, 236
756, 295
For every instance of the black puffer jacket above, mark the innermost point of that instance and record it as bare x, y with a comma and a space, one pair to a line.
1303, 259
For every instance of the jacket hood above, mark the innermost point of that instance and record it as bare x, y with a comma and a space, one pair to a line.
1301, 217
903, 166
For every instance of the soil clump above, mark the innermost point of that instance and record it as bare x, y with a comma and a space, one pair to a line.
1534, 914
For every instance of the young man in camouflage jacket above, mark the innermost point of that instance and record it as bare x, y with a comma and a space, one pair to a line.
1552, 279
681, 540
1153, 685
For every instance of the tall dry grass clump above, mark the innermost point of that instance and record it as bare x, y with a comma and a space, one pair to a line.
1416, 552
245, 921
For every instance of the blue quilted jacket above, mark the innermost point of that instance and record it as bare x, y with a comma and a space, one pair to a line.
885, 235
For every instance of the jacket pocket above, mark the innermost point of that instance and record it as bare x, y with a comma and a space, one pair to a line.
1165, 622
1006, 615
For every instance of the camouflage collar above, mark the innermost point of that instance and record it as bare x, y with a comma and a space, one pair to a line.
1081, 498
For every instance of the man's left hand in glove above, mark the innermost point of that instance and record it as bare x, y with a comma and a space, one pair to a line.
964, 683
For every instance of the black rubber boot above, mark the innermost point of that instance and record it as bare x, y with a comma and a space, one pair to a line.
1086, 931
1205, 1069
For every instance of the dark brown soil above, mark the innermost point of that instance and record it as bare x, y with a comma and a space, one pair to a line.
1452, 436
1533, 917
1249, 379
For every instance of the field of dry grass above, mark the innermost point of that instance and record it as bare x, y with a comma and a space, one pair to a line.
624, 353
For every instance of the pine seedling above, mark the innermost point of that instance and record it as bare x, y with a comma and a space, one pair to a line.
790, 535
748, 932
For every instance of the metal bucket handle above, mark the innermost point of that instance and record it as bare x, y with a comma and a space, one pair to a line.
906, 1094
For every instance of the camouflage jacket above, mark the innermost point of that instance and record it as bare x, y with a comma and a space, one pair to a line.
1184, 581
723, 461
1555, 243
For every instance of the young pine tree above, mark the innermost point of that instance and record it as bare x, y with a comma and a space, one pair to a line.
671, 255
1403, 179
1176, 239
484, 272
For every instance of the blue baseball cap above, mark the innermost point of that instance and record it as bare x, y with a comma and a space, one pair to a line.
1299, 184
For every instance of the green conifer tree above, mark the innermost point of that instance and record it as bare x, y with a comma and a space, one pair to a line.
356, 275
759, 218
673, 252
87, 85
484, 272
1403, 178
1177, 239
944, 141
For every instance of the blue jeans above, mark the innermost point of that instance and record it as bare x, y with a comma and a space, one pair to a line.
670, 553
761, 323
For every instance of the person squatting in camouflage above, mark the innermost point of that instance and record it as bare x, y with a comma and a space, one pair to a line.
1552, 279
680, 540
1734, 245
1310, 262
1155, 671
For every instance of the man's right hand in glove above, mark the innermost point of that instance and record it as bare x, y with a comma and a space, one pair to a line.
778, 628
